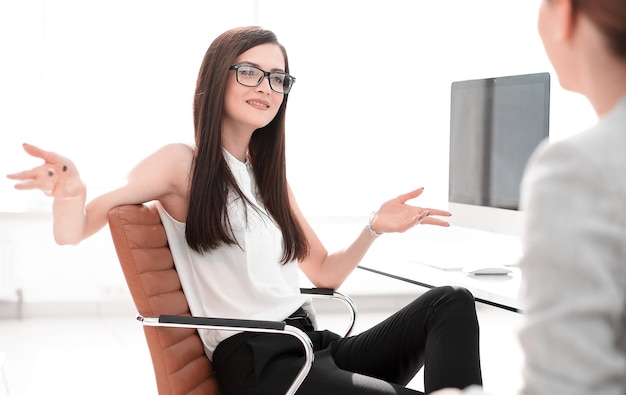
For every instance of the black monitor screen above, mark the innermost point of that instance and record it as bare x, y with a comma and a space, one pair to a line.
495, 125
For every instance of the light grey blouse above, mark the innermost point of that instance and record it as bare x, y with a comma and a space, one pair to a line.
574, 263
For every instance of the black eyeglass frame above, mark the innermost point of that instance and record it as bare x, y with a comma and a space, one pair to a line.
265, 74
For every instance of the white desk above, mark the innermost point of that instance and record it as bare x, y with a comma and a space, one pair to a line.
394, 255
496, 290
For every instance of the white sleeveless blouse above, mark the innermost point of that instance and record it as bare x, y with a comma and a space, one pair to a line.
245, 281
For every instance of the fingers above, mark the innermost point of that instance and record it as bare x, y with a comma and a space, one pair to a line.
425, 217
437, 212
45, 176
411, 195
22, 175
420, 218
41, 177
49, 157
397, 216
435, 221
35, 151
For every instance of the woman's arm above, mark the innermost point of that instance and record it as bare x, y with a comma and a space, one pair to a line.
330, 270
156, 177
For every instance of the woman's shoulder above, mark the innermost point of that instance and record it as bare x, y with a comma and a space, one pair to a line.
173, 164
174, 159
579, 153
176, 156
177, 150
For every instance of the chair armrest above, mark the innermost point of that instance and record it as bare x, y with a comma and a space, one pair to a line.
329, 293
317, 291
222, 323
227, 324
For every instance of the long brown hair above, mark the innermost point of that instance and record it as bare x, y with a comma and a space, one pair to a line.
208, 223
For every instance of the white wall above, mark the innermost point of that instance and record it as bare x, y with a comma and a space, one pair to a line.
106, 83
362, 130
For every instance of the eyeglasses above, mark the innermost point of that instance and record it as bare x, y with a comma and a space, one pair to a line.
253, 76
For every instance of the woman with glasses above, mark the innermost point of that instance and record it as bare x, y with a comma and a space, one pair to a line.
238, 239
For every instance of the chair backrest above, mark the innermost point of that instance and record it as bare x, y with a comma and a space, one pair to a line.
180, 363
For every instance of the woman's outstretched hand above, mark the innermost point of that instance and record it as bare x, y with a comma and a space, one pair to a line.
56, 177
397, 216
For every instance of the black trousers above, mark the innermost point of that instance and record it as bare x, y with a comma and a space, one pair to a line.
439, 331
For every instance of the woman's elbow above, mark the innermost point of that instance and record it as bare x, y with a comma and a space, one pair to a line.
330, 283
64, 240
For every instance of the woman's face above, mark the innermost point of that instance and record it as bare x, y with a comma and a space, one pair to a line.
249, 108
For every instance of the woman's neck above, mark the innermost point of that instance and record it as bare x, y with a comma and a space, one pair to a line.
607, 91
237, 146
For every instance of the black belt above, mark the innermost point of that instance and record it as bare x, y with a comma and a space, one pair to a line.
300, 319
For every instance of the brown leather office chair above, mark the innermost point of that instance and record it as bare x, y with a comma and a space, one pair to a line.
180, 363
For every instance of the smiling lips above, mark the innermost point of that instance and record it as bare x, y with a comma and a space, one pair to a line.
259, 104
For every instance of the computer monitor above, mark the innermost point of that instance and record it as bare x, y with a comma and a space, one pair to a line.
495, 125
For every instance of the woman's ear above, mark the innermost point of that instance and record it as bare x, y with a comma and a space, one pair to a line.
564, 19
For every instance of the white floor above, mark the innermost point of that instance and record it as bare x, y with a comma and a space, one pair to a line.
107, 354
